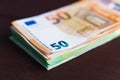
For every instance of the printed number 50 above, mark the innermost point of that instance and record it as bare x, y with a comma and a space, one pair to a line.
59, 45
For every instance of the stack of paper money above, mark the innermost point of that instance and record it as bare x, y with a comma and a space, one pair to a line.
57, 36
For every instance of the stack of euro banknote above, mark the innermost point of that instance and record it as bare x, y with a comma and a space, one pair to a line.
57, 36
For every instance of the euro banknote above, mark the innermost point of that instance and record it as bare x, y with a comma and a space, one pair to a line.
67, 28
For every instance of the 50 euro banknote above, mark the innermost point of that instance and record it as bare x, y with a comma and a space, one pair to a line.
67, 28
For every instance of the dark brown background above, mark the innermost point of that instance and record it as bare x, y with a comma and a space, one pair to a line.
102, 63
